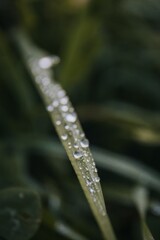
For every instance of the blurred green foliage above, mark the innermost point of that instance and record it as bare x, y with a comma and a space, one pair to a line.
110, 66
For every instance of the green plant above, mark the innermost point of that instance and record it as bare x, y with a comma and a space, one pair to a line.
68, 128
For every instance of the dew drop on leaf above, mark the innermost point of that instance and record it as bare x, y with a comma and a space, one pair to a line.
77, 154
97, 179
64, 108
61, 93
64, 100
75, 145
46, 62
64, 137
50, 108
66, 127
55, 103
58, 122
91, 190
84, 143
71, 117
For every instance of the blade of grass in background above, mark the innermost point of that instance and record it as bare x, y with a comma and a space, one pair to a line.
141, 201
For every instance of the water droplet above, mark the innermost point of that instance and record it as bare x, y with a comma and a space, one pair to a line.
58, 122
84, 143
55, 103
71, 117
69, 145
77, 131
45, 81
77, 154
75, 145
50, 108
88, 182
66, 127
61, 93
64, 108
103, 213
64, 100
64, 137
97, 179
91, 190
45, 62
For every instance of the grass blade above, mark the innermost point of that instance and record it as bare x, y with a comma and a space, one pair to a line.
68, 128
140, 198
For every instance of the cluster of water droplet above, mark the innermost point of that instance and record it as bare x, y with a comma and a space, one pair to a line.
68, 127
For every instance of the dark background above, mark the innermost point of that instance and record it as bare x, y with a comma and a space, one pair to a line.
110, 67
